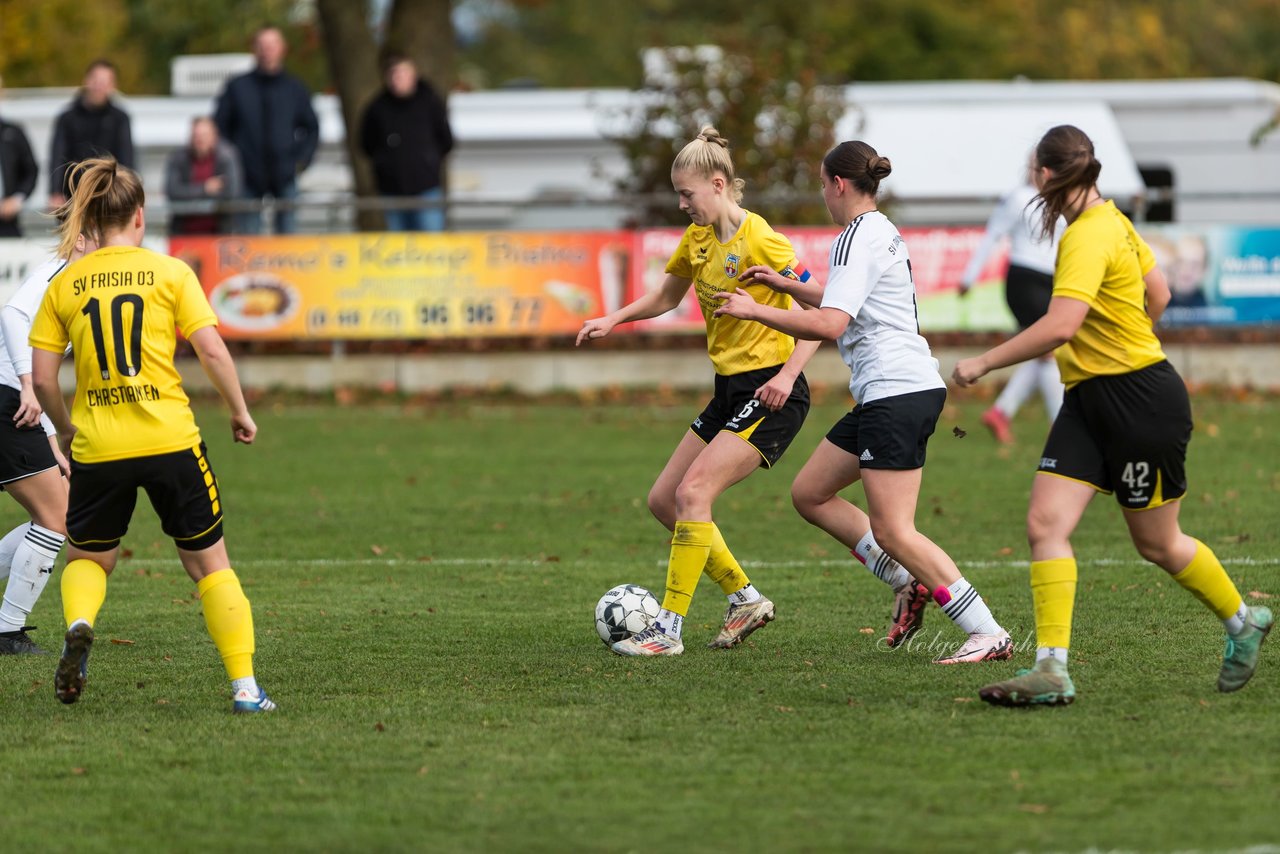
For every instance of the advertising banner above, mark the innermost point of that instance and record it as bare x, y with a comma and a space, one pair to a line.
1218, 274
367, 286
491, 284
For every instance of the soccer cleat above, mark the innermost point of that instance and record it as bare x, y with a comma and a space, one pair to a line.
73, 666
908, 613
997, 647
742, 620
1047, 684
998, 423
19, 643
652, 641
1241, 658
245, 702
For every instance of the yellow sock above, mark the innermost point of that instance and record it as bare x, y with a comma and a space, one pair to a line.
722, 566
84, 589
230, 621
1208, 582
1053, 592
690, 548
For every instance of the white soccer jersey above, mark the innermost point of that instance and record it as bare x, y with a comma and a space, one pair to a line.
1019, 219
870, 280
15, 326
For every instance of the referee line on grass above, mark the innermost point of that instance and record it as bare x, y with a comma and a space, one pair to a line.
389, 563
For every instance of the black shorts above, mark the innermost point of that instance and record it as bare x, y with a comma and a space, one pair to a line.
1125, 434
1028, 293
24, 451
182, 487
736, 409
892, 432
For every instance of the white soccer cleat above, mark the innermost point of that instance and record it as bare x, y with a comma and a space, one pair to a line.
997, 647
652, 641
742, 620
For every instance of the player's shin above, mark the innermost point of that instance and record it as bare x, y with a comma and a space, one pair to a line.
1053, 594
84, 589
230, 621
690, 549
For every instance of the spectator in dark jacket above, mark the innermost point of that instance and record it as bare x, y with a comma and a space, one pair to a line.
206, 170
267, 115
405, 132
91, 127
18, 173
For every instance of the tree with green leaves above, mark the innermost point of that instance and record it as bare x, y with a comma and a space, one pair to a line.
764, 98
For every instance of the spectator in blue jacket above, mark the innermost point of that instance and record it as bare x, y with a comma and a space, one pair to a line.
267, 115
405, 133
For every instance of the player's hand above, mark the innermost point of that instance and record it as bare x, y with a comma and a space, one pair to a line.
64, 442
763, 274
738, 304
243, 429
968, 371
29, 409
63, 465
596, 328
776, 392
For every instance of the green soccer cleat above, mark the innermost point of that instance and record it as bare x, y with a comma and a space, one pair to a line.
1047, 684
1241, 657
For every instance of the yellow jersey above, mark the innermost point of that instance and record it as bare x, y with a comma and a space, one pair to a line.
118, 308
1101, 262
737, 346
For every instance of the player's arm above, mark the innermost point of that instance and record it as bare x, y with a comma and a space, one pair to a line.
1050, 332
808, 292
775, 393
1158, 294
221, 370
44, 380
815, 324
652, 304
16, 324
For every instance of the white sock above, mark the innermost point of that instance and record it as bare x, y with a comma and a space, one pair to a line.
966, 609
1057, 653
1050, 387
669, 623
9, 546
248, 683
745, 596
28, 574
1019, 388
881, 565
1236, 622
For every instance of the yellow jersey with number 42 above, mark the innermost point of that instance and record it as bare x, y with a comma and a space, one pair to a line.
737, 346
118, 308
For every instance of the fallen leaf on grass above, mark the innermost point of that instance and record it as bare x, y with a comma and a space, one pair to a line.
79, 772
1258, 594
379, 727
958, 433
784, 708
964, 699
1038, 809
377, 550
422, 772
866, 630
1005, 552
122, 642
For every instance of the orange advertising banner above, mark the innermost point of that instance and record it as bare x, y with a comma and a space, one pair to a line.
385, 285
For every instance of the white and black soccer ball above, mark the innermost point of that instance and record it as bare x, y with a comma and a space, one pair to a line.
626, 610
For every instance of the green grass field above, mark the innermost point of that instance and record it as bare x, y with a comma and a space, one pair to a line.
423, 577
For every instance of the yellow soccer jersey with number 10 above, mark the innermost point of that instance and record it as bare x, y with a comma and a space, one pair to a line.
118, 308
737, 346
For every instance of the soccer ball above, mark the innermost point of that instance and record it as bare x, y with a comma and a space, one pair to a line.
626, 610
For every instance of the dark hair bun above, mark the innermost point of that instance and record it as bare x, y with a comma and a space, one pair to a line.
879, 167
